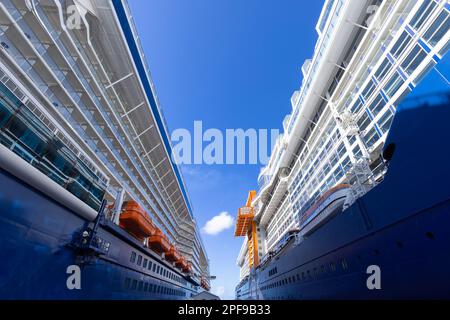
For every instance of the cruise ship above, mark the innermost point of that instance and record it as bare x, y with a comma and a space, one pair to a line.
92, 206
355, 202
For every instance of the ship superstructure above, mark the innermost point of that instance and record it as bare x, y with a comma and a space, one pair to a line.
79, 107
368, 57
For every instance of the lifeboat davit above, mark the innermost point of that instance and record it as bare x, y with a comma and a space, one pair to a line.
158, 242
173, 255
136, 221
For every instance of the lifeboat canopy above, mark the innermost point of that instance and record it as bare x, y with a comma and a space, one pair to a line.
158, 242
136, 221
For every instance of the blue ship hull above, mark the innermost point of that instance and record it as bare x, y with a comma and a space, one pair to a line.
37, 237
401, 226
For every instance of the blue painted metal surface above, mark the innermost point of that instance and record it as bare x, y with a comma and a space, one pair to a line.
400, 226
37, 236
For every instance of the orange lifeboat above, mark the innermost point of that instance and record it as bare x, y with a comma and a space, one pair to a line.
184, 265
173, 255
187, 267
158, 242
180, 263
136, 221
204, 284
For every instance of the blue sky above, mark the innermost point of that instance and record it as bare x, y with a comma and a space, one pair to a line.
231, 64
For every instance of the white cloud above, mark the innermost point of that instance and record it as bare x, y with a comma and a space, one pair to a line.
219, 223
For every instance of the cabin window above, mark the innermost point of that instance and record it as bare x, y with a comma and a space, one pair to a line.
154, 267
344, 264
399, 47
145, 263
368, 90
385, 121
383, 69
423, 12
140, 285
412, 61
146, 286
50, 155
377, 105
139, 260
438, 29
134, 284
332, 267
133, 257
127, 283
149, 266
